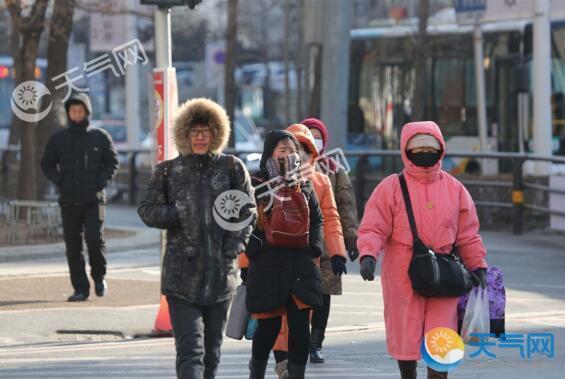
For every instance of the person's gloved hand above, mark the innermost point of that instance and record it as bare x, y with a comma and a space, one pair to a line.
368, 265
481, 277
338, 265
243, 274
353, 254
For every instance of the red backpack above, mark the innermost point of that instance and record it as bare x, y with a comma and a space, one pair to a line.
287, 224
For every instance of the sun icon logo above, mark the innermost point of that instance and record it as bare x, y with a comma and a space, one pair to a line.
27, 95
441, 342
442, 349
27, 98
230, 205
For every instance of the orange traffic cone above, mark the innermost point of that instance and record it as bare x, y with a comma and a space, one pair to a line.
163, 321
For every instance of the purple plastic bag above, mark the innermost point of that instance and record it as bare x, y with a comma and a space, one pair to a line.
497, 301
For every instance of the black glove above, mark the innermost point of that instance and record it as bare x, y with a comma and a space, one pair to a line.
243, 274
480, 277
353, 254
368, 266
338, 265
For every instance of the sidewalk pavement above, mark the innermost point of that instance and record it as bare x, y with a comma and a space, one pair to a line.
117, 217
125, 217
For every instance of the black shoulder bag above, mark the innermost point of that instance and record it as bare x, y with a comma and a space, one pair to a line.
433, 274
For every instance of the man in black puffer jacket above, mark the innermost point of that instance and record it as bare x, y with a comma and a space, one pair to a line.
81, 161
196, 197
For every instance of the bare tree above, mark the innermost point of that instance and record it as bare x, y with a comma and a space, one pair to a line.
9, 158
420, 62
112, 8
231, 43
30, 25
299, 59
60, 27
265, 8
286, 61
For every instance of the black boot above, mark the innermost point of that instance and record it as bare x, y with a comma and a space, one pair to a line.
407, 369
316, 340
433, 374
100, 288
78, 296
296, 371
257, 369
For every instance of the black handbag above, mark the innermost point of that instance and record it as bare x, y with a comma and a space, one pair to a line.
433, 274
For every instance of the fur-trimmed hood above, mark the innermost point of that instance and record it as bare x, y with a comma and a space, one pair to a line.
206, 111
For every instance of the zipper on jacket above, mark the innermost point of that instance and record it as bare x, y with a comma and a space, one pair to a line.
435, 267
85, 161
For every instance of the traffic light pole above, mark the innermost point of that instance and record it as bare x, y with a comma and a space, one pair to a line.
163, 64
163, 54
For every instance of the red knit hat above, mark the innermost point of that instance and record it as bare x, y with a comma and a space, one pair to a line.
314, 123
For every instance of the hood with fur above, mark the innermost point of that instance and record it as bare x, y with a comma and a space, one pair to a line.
205, 111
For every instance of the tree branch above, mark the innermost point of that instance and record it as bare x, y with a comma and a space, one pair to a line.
32, 23
110, 9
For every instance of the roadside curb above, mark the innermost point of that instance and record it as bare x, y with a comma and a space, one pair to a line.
143, 238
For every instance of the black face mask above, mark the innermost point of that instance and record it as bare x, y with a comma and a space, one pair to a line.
423, 159
79, 126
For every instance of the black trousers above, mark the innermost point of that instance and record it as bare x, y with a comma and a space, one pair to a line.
87, 221
320, 315
298, 335
199, 333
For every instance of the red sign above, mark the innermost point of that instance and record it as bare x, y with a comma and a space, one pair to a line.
165, 106
159, 110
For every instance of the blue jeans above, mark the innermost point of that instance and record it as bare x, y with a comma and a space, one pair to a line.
198, 331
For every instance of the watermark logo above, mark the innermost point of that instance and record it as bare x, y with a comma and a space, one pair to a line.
26, 102
227, 209
529, 345
442, 349
27, 94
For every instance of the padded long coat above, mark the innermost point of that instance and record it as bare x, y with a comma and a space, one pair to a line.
444, 214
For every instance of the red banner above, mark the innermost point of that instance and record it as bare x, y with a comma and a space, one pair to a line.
165, 107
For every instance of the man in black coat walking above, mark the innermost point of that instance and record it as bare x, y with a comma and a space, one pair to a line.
81, 161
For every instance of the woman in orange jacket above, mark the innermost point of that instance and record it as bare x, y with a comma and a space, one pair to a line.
347, 209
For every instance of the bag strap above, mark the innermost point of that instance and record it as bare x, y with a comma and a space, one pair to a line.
408, 206
167, 168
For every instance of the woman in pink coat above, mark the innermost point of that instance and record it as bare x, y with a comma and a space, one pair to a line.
444, 214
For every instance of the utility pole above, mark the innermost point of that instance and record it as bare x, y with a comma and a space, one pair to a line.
132, 86
163, 53
231, 44
327, 24
480, 87
542, 85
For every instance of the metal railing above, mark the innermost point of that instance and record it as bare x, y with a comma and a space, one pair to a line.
363, 176
517, 185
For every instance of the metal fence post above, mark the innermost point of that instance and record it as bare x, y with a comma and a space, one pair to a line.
360, 171
517, 197
132, 179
